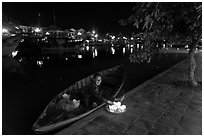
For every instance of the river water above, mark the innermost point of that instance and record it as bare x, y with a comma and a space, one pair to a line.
24, 96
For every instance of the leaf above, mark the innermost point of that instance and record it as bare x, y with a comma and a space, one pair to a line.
136, 23
148, 22
123, 22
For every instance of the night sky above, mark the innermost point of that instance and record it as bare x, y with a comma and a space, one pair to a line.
101, 16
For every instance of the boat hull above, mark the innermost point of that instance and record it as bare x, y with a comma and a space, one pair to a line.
54, 118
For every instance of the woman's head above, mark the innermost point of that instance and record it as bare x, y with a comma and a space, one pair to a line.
97, 79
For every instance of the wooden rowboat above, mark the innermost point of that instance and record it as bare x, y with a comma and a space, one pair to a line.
54, 118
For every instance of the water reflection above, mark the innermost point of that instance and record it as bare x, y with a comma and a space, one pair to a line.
124, 50
131, 50
138, 45
95, 53
85, 51
87, 48
112, 50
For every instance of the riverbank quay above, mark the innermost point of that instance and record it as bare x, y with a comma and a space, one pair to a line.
163, 105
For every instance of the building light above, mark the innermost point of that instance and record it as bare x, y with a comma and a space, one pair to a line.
37, 30
163, 45
93, 32
87, 48
40, 63
79, 33
186, 46
132, 38
47, 33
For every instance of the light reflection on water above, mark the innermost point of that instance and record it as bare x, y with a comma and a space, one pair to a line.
58, 69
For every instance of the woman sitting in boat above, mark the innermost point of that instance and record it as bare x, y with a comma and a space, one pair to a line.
92, 95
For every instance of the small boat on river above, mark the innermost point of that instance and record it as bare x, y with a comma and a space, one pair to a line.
53, 118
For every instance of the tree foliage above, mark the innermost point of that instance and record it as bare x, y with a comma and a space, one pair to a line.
175, 22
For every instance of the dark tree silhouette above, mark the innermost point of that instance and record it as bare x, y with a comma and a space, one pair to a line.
175, 22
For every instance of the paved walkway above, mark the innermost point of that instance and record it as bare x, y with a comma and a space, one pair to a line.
164, 105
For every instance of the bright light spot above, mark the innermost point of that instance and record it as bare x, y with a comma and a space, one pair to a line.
20, 59
66, 59
132, 38
14, 53
96, 52
16, 27
79, 56
40, 63
13, 35
177, 48
131, 46
112, 50
87, 48
138, 45
48, 57
124, 50
5, 31
163, 45
157, 46
113, 37
131, 50
96, 35
141, 47
93, 32
124, 38
87, 41
47, 33
186, 46
22, 40
37, 30
79, 33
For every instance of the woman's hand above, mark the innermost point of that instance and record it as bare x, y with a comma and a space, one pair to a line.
110, 102
120, 99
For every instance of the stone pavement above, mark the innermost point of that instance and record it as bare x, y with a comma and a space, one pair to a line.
163, 105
